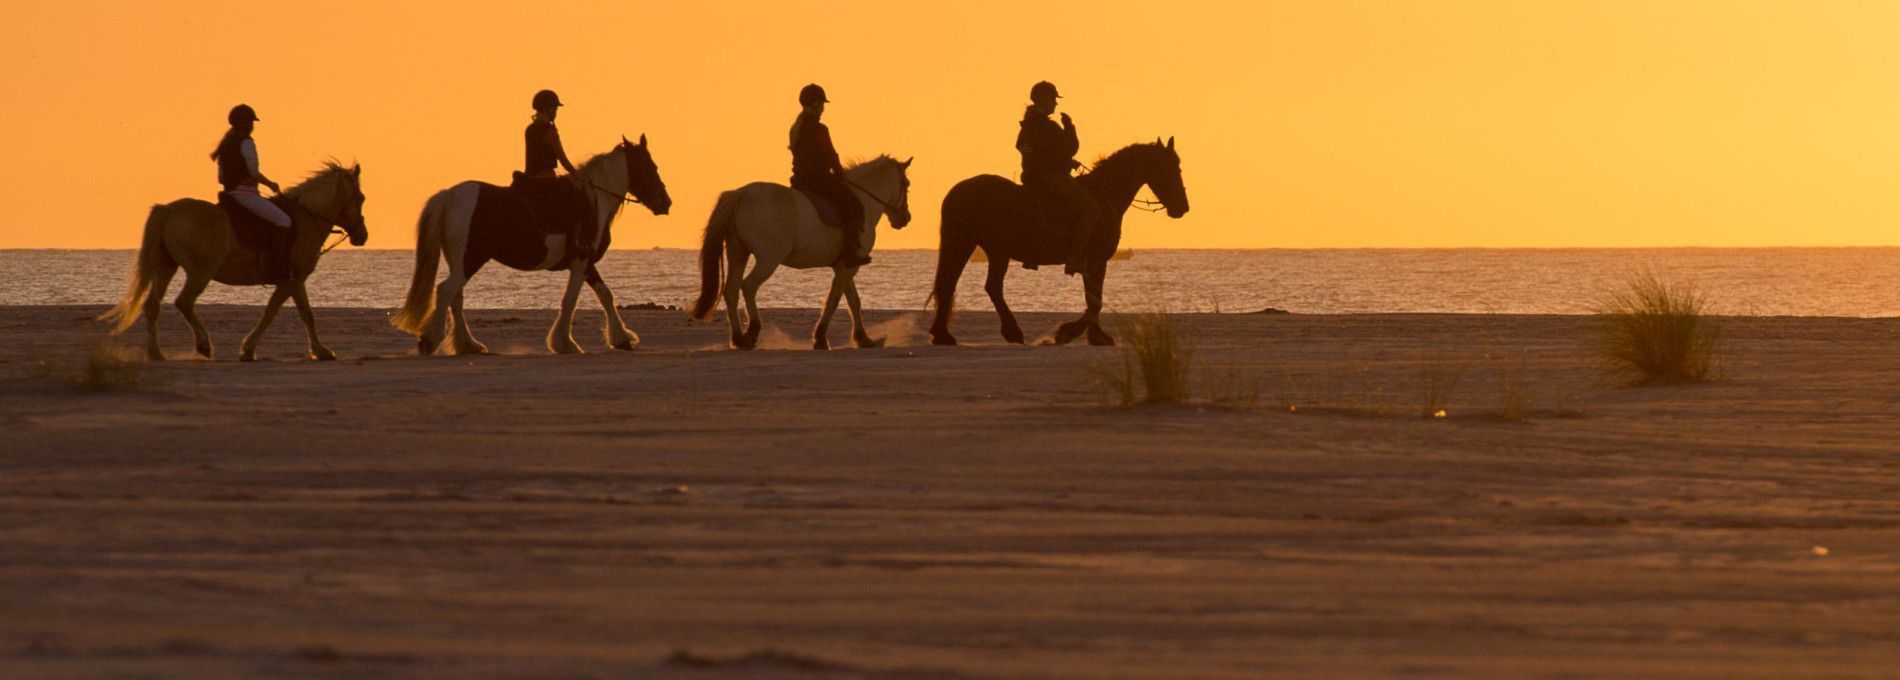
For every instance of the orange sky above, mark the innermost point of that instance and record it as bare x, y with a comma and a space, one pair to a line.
1336, 123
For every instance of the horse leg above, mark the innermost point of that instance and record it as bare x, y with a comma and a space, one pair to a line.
994, 286
951, 259
446, 293
301, 296
561, 334
247, 350
735, 270
618, 335
858, 336
755, 323
187, 302
154, 303
464, 339
818, 335
1092, 293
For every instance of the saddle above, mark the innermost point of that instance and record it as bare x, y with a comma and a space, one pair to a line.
1048, 213
827, 211
516, 220
268, 243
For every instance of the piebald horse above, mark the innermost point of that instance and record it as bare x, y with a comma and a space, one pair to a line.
1010, 223
197, 236
779, 226
444, 232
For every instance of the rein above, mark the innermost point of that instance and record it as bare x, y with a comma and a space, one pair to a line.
847, 182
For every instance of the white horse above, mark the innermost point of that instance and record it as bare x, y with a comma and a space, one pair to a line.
459, 226
779, 226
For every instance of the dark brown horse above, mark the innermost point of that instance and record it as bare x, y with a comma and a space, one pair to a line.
1010, 223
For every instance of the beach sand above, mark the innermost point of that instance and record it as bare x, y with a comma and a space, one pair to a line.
684, 511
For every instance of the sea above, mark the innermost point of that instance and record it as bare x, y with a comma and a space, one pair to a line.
1850, 282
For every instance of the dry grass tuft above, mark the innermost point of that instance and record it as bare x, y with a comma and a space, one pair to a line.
1655, 332
1153, 363
104, 366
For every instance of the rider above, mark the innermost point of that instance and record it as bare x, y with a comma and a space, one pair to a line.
816, 171
544, 151
236, 157
1048, 159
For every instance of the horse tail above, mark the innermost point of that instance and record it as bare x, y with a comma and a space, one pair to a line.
152, 260
712, 253
420, 303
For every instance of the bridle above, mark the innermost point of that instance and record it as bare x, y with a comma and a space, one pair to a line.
887, 206
624, 196
335, 230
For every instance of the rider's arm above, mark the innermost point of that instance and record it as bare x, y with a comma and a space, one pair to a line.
249, 149
560, 152
831, 152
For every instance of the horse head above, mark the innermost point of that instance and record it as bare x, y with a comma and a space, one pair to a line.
335, 194
643, 176
1165, 178
899, 210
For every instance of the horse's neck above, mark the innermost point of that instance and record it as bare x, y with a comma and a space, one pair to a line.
1118, 184
600, 176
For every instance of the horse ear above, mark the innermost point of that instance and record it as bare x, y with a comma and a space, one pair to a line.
624, 142
643, 139
907, 162
1157, 140
1170, 143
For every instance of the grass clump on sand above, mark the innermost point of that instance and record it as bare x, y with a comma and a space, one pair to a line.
103, 367
1657, 332
1153, 363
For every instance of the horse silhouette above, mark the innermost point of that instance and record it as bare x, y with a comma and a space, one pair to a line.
779, 226
471, 223
1010, 222
199, 237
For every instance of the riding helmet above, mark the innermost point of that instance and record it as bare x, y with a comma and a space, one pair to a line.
1043, 88
242, 113
812, 94
545, 99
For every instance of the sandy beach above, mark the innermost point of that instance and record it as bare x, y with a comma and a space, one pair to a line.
684, 511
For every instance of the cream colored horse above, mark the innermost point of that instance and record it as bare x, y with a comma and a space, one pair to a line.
778, 225
197, 236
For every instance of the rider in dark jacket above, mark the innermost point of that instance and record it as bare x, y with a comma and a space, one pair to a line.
816, 171
1048, 153
551, 193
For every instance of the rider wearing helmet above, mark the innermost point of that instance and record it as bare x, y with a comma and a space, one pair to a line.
559, 198
236, 156
816, 171
1048, 153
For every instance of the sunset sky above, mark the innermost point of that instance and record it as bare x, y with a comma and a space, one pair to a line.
1341, 123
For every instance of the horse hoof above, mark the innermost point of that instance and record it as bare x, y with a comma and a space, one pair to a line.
1067, 333
204, 351
1013, 335
247, 357
1101, 340
945, 340
475, 348
821, 344
154, 356
424, 348
869, 342
325, 355
625, 345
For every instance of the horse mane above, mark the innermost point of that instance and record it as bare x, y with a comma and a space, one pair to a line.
1122, 156
879, 157
329, 167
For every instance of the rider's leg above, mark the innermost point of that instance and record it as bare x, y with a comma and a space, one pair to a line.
1087, 217
851, 218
